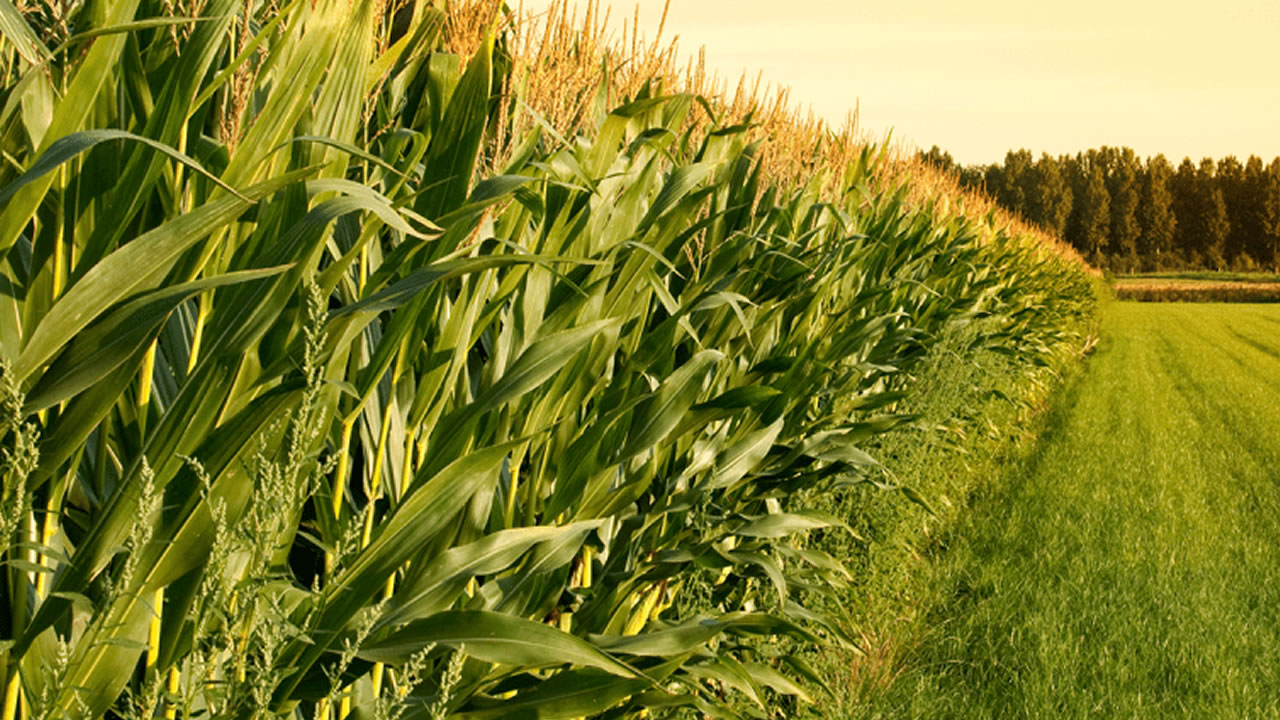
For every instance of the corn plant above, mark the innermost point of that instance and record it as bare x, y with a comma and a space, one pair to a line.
307, 413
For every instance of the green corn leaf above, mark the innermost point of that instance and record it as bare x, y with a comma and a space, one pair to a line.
136, 267
663, 411
455, 145
431, 506
728, 671
417, 282
741, 397
784, 524
244, 55
119, 335
678, 186
94, 72
765, 564
148, 24
667, 642
220, 450
99, 660
567, 695
435, 589
766, 676
536, 365
744, 456
497, 638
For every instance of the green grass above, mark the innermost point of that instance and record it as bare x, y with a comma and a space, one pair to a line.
1130, 565
972, 409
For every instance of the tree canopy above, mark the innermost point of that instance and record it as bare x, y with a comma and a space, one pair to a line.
1127, 213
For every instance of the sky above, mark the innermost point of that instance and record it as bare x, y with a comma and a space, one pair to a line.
981, 77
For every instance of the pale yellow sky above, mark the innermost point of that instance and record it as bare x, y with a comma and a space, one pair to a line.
979, 77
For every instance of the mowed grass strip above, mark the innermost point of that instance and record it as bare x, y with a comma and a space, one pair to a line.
1130, 567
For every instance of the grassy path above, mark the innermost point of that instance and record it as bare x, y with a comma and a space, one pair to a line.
1131, 567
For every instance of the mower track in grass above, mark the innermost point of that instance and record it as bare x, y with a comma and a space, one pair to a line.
1130, 566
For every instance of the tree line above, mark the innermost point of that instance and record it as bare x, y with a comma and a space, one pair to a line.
1128, 214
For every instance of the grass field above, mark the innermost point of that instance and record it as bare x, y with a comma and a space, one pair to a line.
1130, 565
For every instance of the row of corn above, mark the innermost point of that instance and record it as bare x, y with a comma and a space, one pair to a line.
319, 401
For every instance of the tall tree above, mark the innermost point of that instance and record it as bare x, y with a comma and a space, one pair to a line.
1155, 216
1229, 178
970, 176
973, 176
1126, 214
1251, 221
1203, 224
1121, 167
1049, 195
1008, 183
940, 159
1217, 226
1183, 187
1090, 208
1270, 213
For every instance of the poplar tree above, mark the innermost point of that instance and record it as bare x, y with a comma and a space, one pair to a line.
1270, 214
1252, 221
1122, 188
1090, 208
1126, 214
1009, 183
972, 177
1183, 187
1155, 216
1229, 178
1049, 195
1213, 224
940, 159
1020, 176
1203, 224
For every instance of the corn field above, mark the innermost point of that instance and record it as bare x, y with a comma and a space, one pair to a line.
341, 380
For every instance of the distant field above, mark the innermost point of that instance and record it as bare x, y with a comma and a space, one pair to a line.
1130, 566
1255, 277
1199, 287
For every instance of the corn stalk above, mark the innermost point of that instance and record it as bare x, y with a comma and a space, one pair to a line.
312, 411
